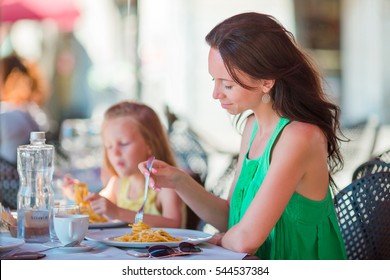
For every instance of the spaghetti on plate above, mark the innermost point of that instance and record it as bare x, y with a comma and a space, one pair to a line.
144, 233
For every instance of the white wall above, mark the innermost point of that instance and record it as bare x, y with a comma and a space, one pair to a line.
365, 60
174, 55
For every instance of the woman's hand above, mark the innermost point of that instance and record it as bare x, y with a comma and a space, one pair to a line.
216, 239
207, 206
163, 175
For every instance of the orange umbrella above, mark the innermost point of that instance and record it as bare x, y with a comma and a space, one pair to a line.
63, 12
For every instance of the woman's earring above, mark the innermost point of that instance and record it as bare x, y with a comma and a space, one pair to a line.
266, 98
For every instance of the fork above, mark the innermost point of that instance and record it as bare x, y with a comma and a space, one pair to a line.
139, 217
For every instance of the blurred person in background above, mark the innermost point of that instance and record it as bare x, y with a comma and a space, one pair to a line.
23, 95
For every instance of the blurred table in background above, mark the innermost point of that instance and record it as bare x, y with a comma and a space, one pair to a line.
79, 154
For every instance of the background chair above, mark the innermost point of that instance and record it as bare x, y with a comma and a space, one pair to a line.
363, 210
190, 156
370, 167
9, 184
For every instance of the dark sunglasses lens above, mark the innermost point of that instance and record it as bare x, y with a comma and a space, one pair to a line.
189, 247
159, 251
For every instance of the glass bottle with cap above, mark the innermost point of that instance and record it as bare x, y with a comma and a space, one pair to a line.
35, 164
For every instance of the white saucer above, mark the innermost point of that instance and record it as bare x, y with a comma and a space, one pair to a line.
83, 247
9, 243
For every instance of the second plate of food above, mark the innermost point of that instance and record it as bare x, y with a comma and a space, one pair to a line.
109, 224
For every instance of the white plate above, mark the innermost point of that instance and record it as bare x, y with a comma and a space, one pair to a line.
9, 243
107, 237
83, 247
109, 224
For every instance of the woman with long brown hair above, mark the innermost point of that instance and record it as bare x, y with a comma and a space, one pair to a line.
280, 204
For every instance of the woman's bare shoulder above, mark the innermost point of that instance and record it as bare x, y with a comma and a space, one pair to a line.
305, 132
303, 139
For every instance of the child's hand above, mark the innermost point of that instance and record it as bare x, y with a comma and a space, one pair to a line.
67, 187
101, 205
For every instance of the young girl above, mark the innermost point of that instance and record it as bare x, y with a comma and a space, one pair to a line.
131, 133
279, 205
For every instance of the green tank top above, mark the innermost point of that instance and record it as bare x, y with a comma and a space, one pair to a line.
307, 229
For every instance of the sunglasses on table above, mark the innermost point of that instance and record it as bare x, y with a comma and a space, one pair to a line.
163, 251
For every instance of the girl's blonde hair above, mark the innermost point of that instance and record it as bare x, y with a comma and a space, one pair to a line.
148, 124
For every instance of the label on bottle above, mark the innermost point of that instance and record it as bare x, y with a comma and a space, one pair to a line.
36, 225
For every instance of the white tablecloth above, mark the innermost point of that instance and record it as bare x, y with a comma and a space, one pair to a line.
105, 252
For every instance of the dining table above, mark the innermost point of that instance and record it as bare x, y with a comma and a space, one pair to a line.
96, 250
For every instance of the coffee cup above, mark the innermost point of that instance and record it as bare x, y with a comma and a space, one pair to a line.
70, 227
70, 209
